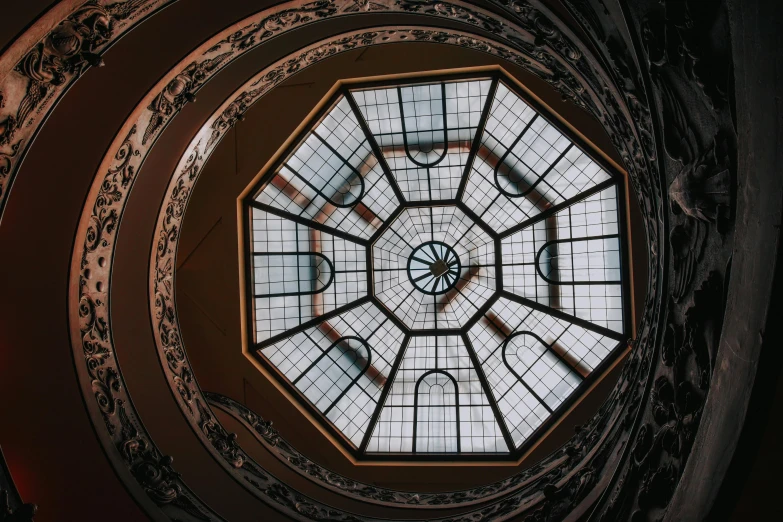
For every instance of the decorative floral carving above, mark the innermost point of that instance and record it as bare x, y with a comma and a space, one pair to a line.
8, 131
673, 38
144, 462
702, 189
686, 59
254, 33
279, 447
178, 92
66, 51
5, 165
224, 442
42, 76
152, 470
687, 241
365, 5
663, 445
703, 185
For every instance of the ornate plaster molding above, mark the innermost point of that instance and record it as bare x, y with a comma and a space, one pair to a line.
281, 449
680, 57
33, 79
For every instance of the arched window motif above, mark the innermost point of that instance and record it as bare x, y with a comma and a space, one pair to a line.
549, 376
330, 176
436, 414
343, 188
521, 169
580, 261
329, 377
424, 123
461, 230
280, 274
325, 170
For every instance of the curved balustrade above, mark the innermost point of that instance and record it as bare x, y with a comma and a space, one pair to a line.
275, 444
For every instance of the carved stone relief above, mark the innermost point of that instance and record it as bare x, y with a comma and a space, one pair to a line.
268, 436
686, 70
31, 90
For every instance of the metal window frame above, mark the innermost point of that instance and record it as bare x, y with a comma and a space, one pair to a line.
416, 407
335, 345
450, 285
298, 292
617, 179
444, 130
572, 240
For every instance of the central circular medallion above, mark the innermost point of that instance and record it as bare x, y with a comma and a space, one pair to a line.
434, 267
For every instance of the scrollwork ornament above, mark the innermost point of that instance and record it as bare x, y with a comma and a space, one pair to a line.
5, 166
178, 92
37, 81
254, 33
696, 147
279, 447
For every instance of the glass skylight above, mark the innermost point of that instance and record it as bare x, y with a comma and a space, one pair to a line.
436, 268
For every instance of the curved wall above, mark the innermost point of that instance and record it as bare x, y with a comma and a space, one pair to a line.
696, 366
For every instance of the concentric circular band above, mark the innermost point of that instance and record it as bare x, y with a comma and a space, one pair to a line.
434, 267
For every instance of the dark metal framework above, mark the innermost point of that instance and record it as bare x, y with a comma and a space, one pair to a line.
347, 354
574, 280
508, 184
547, 348
450, 380
433, 268
310, 266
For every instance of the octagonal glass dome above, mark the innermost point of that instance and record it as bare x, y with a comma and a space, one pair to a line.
436, 267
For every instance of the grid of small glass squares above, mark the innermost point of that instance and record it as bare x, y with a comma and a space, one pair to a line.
436, 403
341, 365
533, 361
333, 178
524, 165
425, 150
330, 246
300, 273
392, 251
571, 261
